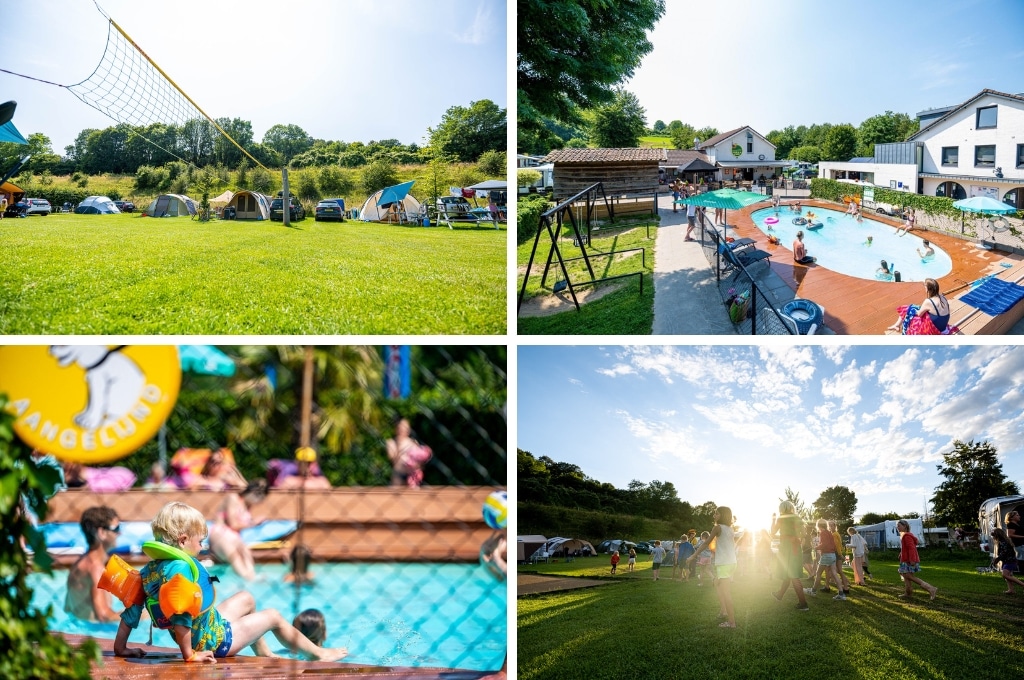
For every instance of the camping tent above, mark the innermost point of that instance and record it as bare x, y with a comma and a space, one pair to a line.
564, 546
223, 199
884, 535
171, 205
250, 205
391, 204
526, 545
96, 205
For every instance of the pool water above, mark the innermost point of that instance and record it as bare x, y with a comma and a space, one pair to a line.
841, 244
389, 614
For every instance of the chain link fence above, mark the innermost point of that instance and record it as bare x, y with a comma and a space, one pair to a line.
392, 550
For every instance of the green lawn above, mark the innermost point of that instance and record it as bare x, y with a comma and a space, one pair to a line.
624, 312
640, 628
122, 274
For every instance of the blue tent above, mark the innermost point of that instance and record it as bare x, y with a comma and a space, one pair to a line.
394, 194
9, 133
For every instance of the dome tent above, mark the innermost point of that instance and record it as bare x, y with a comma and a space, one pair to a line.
250, 205
391, 204
171, 205
96, 205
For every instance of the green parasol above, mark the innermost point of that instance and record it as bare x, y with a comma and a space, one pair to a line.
727, 199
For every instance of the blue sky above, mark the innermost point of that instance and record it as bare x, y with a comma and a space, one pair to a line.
800, 62
357, 70
737, 424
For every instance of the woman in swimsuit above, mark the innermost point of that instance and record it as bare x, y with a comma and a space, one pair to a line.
234, 515
935, 307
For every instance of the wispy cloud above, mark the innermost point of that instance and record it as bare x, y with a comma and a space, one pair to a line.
480, 29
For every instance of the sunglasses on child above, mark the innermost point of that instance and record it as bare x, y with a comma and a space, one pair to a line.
116, 529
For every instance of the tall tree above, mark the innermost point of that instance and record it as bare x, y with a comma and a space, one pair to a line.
682, 135
794, 498
838, 503
618, 124
840, 143
287, 140
973, 474
241, 131
884, 128
658, 127
467, 132
571, 52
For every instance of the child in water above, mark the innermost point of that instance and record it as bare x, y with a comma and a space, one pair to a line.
204, 631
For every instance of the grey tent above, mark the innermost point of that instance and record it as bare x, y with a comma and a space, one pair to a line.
171, 205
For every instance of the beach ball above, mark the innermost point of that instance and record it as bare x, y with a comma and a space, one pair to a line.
496, 510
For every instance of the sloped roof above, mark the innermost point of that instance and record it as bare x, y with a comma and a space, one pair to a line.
957, 109
605, 156
726, 135
679, 157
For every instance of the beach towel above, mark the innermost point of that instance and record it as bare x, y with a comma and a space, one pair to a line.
995, 296
912, 324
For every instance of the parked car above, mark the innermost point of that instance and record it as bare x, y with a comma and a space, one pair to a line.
295, 210
34, 206
330, 209
125, 206
890, 210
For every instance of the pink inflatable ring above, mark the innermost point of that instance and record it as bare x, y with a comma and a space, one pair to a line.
771, 220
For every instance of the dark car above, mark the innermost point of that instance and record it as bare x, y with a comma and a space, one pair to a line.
125, 206
295, 209
330, 209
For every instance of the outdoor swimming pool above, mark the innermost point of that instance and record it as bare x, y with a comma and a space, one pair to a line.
387, 614
841, 244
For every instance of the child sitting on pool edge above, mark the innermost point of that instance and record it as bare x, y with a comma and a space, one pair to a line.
177, 591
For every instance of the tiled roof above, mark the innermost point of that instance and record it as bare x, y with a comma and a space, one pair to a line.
605, 156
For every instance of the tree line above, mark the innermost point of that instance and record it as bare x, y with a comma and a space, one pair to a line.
464, 134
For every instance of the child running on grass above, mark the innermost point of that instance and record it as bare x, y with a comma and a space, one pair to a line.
789, 527
631, 563
910, 562
615, 560
725, 563
1008, 556
705, 558
178, 592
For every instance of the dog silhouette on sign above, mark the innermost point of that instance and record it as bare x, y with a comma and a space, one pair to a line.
114, 382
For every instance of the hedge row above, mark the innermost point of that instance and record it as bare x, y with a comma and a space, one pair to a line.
831, 190
530, 208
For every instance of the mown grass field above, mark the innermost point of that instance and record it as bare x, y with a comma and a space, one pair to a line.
123, 274
638, 628
623, 312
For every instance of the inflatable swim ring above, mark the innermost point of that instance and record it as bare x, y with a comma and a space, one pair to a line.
804, 313
771, 220
815, 226
799, 221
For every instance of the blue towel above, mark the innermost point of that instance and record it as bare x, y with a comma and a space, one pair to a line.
995, 296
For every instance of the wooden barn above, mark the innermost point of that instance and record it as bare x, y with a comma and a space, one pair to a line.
629, 176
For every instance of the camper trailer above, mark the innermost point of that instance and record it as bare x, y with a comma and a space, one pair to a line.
992, 514
884, 536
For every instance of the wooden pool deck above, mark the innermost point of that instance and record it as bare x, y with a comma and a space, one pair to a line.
165, 663
855, 306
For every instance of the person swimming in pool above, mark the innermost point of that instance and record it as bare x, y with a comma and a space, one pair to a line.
884, 272
928, 253
869, 241
84, 600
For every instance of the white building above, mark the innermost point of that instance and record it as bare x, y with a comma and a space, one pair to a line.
973, 149
742, 154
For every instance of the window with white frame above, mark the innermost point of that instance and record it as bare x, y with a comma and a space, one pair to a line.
985, 156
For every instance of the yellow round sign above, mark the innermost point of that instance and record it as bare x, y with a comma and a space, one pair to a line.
89, 403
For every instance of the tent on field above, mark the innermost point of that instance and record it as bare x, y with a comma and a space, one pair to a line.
222, 200
391, 204
250, 205
565, 547
884, 535
96, 205
171, 205
526, 545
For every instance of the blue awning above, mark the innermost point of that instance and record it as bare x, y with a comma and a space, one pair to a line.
9, 133
394, 194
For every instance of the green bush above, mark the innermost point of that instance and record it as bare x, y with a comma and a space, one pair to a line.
379, 174
492, 163
528, 212
27, 649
